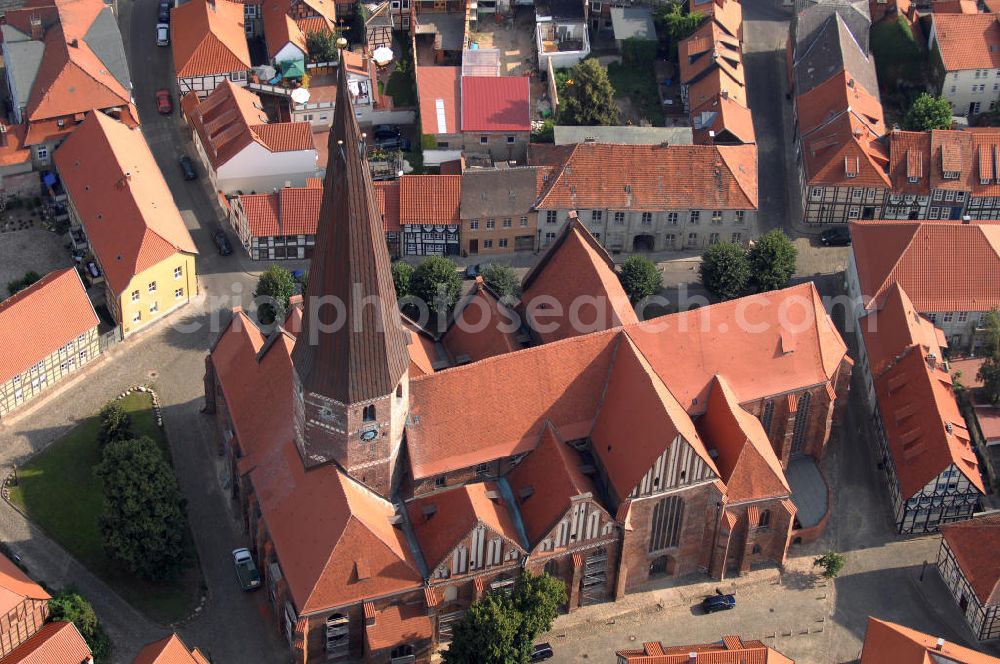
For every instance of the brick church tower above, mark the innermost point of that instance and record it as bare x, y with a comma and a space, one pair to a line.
350, 357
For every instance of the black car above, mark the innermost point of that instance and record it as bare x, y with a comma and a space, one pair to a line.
187, 168
164, 14
383, 132
718, 602
388, 137
838, 236
542, 652
472, 271
222, 244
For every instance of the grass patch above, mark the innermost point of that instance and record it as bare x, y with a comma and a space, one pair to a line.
60, 492
902, 65
639, 85
402, 85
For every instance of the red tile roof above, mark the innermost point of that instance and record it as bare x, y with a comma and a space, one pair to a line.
711, 46
496, 103
574, 265
430, 199
55, 309
232, 118
442, 520
654, 177
840, 94
15, 586
440, 93
924, 428
545, 483
208, 38
942, 265
910, 161
399, 624
474, 332
845, 152
954, 7
55, 643
123, 201
280, 28
170, 650
893, 327
730, 650
975, 543
387, 197
746, 460
727, 116
889, 642
288, 211
14, 150
967, 41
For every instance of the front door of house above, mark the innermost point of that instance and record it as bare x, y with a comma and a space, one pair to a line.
473, 246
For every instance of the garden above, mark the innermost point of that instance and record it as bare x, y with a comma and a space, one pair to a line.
107, 493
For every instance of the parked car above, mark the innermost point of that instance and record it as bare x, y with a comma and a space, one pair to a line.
163, 16
718, 602
246, 570
163, 103
388, 137
162, 34
472, 271
542, 652
383, 132
187, 168
222, 244
838, 236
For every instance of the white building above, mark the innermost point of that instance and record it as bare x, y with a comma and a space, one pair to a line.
965, 51
241, 151
210, 46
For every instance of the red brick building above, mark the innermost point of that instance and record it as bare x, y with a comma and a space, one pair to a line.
389, 477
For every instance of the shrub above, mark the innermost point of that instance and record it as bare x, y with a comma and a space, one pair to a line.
115, 423
501, 279
640, 278
72, 607
436, 282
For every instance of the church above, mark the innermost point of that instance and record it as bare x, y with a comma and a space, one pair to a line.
390, 476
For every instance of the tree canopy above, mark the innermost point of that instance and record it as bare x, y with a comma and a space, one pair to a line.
831, 562
501, 628
587, 98
725, 270
640, 277
674, 24
322, 46
274, 288
143, 525
115, 423
501, 278
437, 283
772, 261
402, 273
928, 112
72, 607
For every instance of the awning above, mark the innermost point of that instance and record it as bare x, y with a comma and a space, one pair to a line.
293, 69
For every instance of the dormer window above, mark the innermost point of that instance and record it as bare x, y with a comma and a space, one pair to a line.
985, 181
913, 180
950, 175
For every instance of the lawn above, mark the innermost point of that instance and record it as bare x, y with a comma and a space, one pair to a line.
402, 85
60, 492
639, 85
902, 66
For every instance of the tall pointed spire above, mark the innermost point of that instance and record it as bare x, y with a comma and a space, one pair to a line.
350, 356
364, 357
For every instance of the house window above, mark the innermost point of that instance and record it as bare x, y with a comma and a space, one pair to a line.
153, 308
474, 225
948, 316
647, 218
740, 216
596, 215
439, 481
737, 238
668, 516
482, 469
459, 560
368, 414
619, 218
767, 415
487, 244
716, 216
152, 287
549, 237
178, 272
507, 223
817, 193
692, 239
669, 239
672, 218
695, 216
765, 519
551, 216
491, 224
510, 139
713, 238
179, 293
502, 242
524, 222
801, 424
963, 316
934, 213
932, 318
137, 317
337, 635
135, 296
483, 140
42, 152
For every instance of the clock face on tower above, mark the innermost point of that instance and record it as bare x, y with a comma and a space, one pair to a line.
369, 435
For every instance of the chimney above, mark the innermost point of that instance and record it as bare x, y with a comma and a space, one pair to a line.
692, 657
572, 215
966, 218
75, 43
931, 360
950, 429
3, 135
37, 32
939, 645
89, 660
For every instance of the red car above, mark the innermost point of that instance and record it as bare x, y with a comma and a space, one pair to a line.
163, 103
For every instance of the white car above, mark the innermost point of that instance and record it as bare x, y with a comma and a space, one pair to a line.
162, 34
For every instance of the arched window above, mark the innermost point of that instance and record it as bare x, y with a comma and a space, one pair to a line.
368, 414
552, 568
756, 549
801, 424
405, 650
399, 391
765, 519
668, 517
337, 635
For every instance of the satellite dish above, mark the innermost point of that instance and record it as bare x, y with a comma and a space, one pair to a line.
300, 95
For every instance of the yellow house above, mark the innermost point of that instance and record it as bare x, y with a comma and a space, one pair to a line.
118, 194
51, 331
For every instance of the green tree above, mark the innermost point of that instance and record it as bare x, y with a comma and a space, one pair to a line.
115, 423
402, 274
501, 628
72, 607
275, 286
640, 277
545, 132
772, 261
725, 270
322, 46
928, 112
674, 24
143, 525
831, 562
436, 282
501, 278
588, 98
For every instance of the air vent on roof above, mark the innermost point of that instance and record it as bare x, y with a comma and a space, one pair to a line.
713, 453
526, 491
396, 519
587, 469
429, 510
493, 495
949, 427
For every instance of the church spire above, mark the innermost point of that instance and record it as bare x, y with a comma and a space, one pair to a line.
350, 355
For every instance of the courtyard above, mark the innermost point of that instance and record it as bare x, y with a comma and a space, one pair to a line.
32, 249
